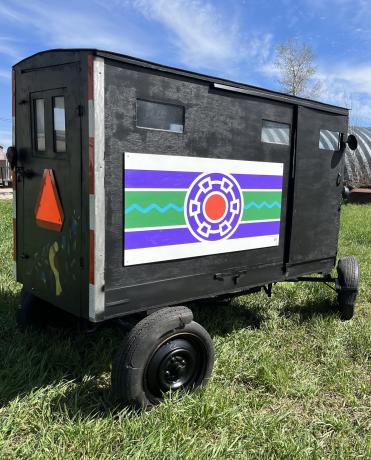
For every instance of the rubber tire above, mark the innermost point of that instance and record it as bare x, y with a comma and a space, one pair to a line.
348, 278
130, 363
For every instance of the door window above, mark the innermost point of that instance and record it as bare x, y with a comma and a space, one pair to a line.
39, 109
49, 113
59, 124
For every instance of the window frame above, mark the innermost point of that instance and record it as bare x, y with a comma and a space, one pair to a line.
48, 96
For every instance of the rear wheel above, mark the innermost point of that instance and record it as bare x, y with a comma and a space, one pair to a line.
166, 351
348, 282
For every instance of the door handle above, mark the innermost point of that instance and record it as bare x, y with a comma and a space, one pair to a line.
29, 173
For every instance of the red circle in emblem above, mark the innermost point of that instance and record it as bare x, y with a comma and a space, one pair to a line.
215, 206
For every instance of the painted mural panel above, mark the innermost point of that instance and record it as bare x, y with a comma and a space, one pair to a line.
178, 207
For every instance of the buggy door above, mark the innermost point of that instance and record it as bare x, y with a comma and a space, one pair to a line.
49, 183
318, 186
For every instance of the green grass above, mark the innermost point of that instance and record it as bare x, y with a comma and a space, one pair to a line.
290, 381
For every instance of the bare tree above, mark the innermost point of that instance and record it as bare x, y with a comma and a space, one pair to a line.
295, 64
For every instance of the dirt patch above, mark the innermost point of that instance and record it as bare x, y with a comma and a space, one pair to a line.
6, 193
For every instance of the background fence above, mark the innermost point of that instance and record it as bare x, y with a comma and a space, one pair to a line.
5, 174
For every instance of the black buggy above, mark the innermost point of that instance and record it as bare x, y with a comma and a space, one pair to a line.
141, 188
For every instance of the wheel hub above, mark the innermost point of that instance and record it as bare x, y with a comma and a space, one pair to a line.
175, 365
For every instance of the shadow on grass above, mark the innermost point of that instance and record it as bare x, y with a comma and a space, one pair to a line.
76, 366
221, 317
315, 308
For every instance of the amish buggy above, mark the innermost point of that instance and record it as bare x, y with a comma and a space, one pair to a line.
142, 188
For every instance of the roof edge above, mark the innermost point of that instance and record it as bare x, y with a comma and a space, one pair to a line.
231, 84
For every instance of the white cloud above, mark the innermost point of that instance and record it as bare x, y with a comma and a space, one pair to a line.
348, 87
355, 78
200, 34
9, 47
204, 36
65, 27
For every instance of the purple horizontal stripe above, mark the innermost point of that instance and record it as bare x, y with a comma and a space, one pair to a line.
169, 237
153, 238
256, 181
256, 229
140, 178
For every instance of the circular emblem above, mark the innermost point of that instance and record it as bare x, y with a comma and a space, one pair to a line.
213, 206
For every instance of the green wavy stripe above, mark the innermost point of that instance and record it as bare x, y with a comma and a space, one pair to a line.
153, 218
254, 213
134, 201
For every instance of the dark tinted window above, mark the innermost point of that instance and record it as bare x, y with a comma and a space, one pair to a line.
155, 115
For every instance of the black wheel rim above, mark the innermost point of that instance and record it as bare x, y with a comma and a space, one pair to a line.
177, 364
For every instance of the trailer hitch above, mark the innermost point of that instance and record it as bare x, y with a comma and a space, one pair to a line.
326, 279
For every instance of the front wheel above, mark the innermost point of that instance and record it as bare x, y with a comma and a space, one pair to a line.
166, 351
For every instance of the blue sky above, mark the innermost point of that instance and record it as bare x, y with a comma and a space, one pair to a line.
235, 39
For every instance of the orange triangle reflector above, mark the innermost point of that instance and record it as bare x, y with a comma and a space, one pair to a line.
48, 211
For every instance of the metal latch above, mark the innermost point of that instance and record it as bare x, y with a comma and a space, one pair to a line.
234, 275
24, 173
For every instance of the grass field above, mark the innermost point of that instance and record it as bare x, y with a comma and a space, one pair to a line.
290, 381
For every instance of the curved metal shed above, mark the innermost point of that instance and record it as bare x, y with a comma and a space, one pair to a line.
358, 163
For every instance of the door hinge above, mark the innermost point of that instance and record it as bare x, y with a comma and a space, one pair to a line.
80, 110
81, 262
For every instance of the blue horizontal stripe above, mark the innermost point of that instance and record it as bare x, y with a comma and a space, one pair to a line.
253, 204
153, 206
258, 181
